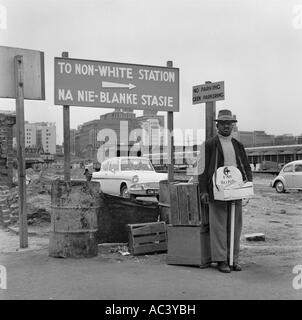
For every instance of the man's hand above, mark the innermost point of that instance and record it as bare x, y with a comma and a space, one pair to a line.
204, 198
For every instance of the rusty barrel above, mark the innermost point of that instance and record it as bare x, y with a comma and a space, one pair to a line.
74, 212
164, 201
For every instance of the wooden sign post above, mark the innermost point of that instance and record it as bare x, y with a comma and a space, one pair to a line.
170, 125
21, 77
66, 128
20, 137
207, 93
210, 118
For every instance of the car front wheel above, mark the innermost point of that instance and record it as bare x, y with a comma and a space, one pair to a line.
124, 192
279, 186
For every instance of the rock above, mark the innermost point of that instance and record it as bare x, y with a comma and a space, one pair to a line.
14, 205
255, 237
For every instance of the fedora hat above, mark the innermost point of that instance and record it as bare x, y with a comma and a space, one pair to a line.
225, 115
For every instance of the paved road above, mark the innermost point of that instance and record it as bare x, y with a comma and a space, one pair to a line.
35, 275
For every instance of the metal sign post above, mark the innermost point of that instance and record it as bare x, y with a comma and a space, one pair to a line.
19, 87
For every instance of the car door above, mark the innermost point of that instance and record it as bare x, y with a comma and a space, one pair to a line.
297, 177
287, 174
113, 183
104, 176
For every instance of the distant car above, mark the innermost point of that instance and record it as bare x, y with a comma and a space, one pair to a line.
289, 178
129, 177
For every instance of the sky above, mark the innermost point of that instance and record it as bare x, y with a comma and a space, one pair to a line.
254, 46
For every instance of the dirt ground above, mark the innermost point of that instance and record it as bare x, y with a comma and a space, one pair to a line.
278, 216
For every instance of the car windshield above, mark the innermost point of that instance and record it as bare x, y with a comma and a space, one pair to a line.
136, 164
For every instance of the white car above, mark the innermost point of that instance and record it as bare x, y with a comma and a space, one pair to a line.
129, 177
289, 178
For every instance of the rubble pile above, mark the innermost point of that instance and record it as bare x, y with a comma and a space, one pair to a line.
38, 189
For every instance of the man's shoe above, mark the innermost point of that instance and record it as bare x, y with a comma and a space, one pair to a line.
206, 265
223, 267
236, 267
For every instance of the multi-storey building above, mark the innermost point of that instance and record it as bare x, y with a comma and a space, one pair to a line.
72, 140
255, 138
285, 139
41, 135
120, 124
116, 127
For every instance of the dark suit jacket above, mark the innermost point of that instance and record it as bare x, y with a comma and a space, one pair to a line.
211, 147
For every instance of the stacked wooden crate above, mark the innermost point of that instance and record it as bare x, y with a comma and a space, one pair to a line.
188, 234
147, 238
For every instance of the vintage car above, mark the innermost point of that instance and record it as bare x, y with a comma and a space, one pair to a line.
129, 177
289, 178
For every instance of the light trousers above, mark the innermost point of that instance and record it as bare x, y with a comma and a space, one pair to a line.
220, 226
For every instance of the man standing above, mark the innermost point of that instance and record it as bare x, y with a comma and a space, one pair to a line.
223, 150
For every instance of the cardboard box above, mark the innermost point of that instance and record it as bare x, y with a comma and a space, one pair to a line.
228, 185
235, 193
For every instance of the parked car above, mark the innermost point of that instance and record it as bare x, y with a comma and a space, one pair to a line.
129, 177
289, 178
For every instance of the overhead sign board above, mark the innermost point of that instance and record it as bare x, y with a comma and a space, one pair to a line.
33, 68
208, 92
102, 84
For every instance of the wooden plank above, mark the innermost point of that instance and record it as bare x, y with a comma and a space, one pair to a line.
184, 203
148, 229
149, 239
194, 217
174, 205
135, 225
148, 248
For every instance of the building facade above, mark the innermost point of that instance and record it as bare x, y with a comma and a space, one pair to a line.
40, 135
121, 130
255, 138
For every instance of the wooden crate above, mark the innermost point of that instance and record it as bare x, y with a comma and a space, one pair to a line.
188, 245
147, 237
185, 204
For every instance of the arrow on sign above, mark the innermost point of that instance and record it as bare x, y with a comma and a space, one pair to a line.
117, 85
